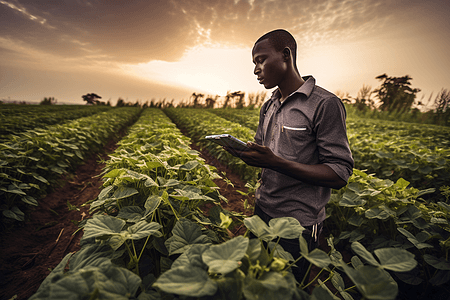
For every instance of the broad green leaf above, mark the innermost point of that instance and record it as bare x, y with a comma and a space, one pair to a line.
356, 220
102, 225
30, 200
270, 286
359, 249
226, 257
402, 183
372, 282
124, 192
192, 257
259, 228
190, 165
90, 255
108, 282
153, 164
254, 249
14, 190
187, 281
438, 263
444, 205
131, 213
114, 173
440, 278
318, 258
337, 281
44, 289
351, 199
151, 204
319, 293
287, 227
377, 213
143, 229
12, 215
40, 178
185, 234
418, 244
104, 193
395, 259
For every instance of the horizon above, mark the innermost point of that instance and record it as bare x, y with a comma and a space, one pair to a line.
158, 49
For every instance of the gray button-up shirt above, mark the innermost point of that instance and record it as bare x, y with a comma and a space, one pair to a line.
308, 127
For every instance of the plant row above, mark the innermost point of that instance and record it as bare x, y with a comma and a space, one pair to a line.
26, 117
420, 154
200, 123
381, 213
246, 117
34, 160
150, 238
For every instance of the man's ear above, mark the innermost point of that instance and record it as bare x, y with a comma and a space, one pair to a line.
287, 54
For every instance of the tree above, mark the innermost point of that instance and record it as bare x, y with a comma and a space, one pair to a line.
91, 98
442, 107
395, 93
196, 99
363, 99
48, 101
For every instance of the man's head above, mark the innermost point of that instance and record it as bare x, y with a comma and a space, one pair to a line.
274, 56
280, 39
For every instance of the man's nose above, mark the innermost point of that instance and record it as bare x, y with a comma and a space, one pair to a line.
256, 70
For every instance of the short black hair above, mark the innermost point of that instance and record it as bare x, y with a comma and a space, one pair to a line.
280, 39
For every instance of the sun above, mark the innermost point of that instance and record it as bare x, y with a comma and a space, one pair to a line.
214, 70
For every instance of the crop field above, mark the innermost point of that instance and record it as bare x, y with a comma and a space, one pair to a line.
172, 213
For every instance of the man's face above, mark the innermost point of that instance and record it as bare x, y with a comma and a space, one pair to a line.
270, 66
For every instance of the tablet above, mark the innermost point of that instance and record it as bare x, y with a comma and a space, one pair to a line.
228, 140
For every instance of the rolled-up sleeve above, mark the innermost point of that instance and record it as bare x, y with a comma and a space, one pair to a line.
331, 133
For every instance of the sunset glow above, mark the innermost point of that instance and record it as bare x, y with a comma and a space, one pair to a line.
170, 49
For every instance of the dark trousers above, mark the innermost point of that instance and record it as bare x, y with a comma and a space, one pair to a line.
293, 246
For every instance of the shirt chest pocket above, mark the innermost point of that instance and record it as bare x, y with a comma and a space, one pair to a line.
294, 139
294, 129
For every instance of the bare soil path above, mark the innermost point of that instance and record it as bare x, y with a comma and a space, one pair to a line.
28, 253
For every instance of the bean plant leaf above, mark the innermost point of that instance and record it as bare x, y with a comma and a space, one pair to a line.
318, 258
395, 259
192, 257
351, 199
359, 249
190, 165
151, 204
187, 281
272, 285
438, 263
125, 192
414, 240
226, 257
185, 234
131, 213
287, 227
254, 249
372, 282
101, 226
259, 228
143, 229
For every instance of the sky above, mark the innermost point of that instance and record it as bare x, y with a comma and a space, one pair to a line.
140, 50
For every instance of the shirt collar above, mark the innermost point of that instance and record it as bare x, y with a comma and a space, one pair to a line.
306, 88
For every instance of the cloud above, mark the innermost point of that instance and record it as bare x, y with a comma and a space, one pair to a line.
141, 30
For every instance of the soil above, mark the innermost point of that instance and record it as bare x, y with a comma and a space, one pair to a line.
28, 253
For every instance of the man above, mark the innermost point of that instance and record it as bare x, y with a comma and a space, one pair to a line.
301, 143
